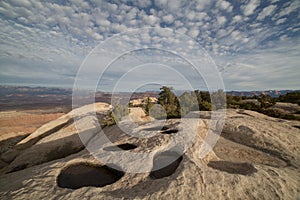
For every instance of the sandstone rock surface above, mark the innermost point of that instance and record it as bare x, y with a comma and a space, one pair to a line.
256, 157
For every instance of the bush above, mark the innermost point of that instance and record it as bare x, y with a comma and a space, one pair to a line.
250, 106
291, 97
116, 115
169, 101
278, 114
266, 101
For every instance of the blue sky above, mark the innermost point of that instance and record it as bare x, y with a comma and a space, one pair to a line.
254, 43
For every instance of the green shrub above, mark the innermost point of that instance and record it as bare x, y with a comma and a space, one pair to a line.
266, 101
291, 97
116, 115
169, 101
278, 114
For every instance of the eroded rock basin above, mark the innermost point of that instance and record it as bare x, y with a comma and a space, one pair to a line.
165, 164
233, 168
85, 174
125, 146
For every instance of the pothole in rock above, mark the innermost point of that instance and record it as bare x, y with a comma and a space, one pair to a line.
169, 131
165, 164
233, 168
162, 128
155, 128
296, 126
84, 174
119, 147
237, 117
158, 128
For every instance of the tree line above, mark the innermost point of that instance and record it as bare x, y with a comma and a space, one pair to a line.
178, 106
171, 106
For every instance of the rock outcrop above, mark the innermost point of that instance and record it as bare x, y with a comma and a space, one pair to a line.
256, 157
56, 139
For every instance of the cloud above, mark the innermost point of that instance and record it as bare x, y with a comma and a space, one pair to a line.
267, 11
150, 19
250, 7
237, 18
225, 5
47, 34
168, 18
280, 21
21, 3
290, 7
161, 3
221, 20
193, 33
263, 69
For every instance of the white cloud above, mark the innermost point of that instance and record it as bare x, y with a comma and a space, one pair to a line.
267, 11
280, 21
54, 32
143, 3
235, 34
168, 18
112, 7
193, 33
202, 15
132, 14
202, 4
174, 5
221, 20
161, 3
7, 13
23, 3
250, 7
80, 3
237, 18
225, 5
118, 27
191, 15
221, 33
102, 22
292, 6
283, 37
150, 19
182, 30
263, 69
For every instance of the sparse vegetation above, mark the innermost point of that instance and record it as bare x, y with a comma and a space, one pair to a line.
177, 106
116, 115
147, 105
263, 104
291, 97
169, 102
266, 101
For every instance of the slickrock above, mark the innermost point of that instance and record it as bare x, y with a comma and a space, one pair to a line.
256, 157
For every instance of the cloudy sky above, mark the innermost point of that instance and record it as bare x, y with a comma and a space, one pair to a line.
254, 43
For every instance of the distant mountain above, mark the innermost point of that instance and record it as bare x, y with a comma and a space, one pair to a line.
10, 90
272, 93
49, 95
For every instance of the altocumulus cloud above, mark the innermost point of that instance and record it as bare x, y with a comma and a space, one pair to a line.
255, 43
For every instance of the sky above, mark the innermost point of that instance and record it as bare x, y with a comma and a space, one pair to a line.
255, 44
